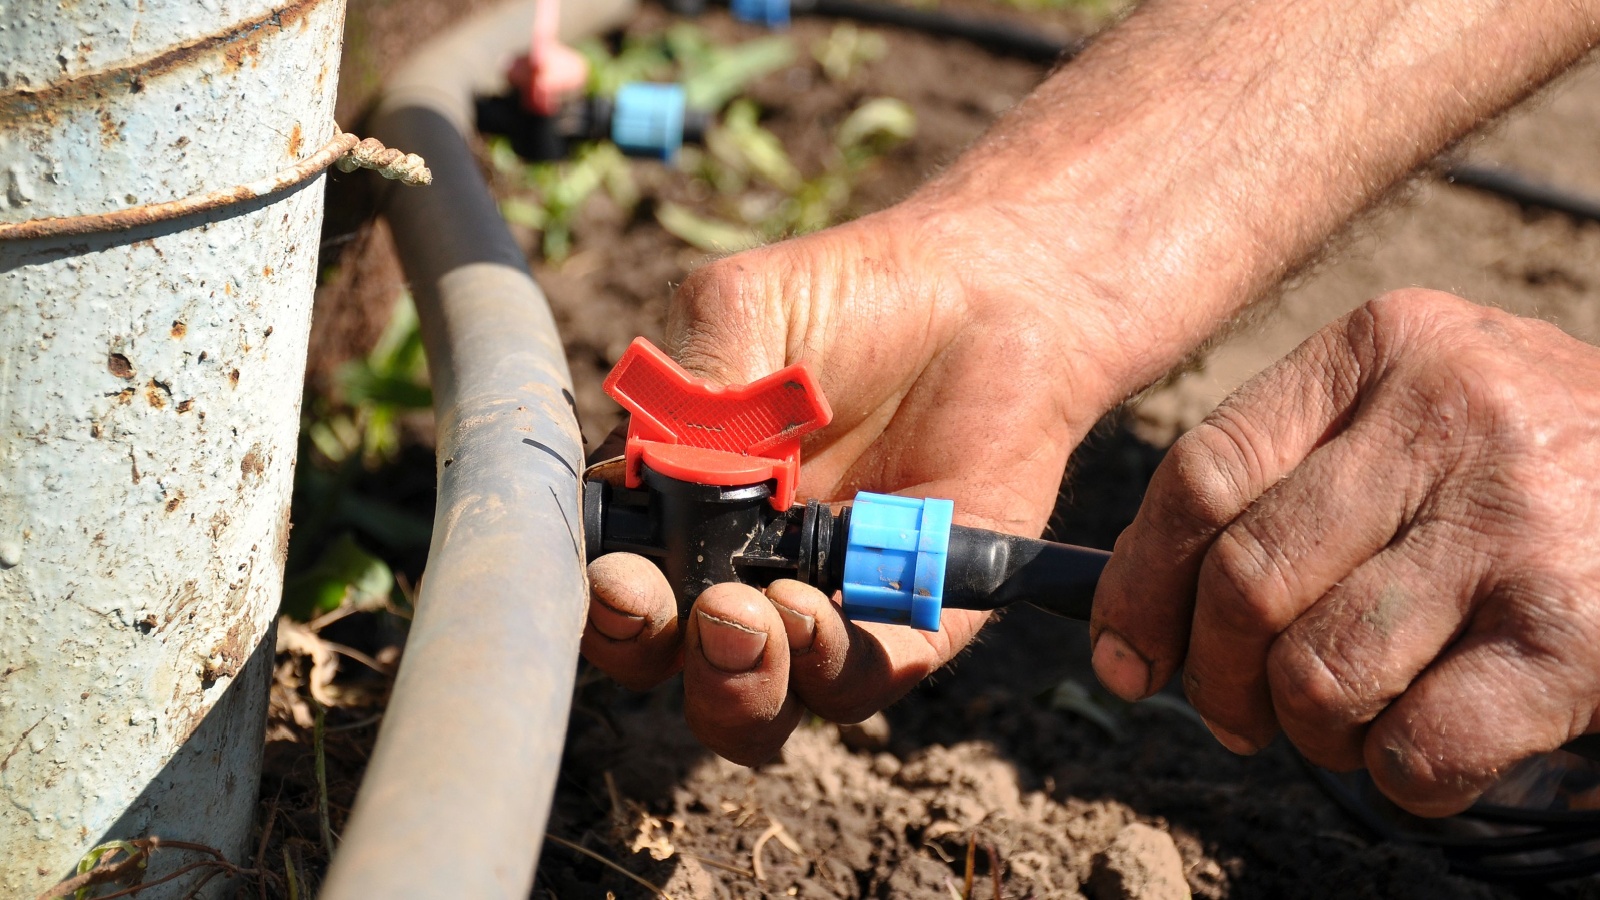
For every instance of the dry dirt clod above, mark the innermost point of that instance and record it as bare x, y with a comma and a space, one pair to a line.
1142, 863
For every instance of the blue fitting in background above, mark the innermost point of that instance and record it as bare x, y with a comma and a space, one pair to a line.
771, 13
894, 563
647, 120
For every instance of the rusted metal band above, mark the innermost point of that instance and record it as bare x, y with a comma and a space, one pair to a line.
370, 154
149, 213
233, 45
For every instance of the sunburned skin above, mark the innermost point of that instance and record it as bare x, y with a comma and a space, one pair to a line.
1402, 576
970, 336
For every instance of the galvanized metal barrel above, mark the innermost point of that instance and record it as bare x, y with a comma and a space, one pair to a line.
150, 382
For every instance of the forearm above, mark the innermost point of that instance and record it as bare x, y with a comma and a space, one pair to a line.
1198, 151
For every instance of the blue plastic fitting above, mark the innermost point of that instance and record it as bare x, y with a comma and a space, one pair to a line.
771, 13
647, 120
894, 562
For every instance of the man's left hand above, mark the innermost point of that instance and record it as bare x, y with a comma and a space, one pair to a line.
1386, 546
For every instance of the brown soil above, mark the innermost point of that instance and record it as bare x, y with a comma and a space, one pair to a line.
616, 285
987, 772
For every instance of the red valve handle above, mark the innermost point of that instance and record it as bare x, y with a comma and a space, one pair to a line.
550, 72
694, 430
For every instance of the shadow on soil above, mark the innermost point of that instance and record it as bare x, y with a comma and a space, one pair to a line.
986, 752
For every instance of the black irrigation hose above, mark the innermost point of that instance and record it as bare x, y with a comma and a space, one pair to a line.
1474, 857
1015, 39
1519, 188
1526, 873
1544, 818
997, 35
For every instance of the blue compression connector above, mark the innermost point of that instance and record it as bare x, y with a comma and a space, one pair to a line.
894, 563
648, 120
771, 13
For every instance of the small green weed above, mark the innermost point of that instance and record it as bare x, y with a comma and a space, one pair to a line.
549, 196
337, 524
847, 50
741, 153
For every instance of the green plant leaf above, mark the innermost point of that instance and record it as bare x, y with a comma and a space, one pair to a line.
714, 75
818, 202
878, 124
557, 243
1071, 696
846, 50
504, 159
335, 437
740, 143
399, 349
642, 58
89, 860
520, 211
363, 385
345, 574
702, 233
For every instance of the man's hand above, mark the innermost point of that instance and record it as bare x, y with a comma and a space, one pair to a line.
938, 388
968, 337
1387, 546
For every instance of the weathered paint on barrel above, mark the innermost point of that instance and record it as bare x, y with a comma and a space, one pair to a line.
150, 388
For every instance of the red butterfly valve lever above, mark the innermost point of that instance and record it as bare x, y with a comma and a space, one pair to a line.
695, 431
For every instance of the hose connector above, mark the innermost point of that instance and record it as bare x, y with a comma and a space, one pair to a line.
771, 13
648, 120
894, 566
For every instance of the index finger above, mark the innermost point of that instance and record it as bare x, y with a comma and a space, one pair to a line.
1145, 601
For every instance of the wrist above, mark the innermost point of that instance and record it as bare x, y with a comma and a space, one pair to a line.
1134, 287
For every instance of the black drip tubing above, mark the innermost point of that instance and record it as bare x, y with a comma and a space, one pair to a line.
996, 35
1014, 39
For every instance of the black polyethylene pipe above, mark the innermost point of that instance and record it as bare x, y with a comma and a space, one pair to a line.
990, 570
456, 795
998, 35
1519, 188
1012, 39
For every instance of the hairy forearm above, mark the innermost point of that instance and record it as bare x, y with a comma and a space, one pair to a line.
1200, 150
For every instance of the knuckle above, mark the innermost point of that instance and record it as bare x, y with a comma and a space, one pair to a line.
1404, 771
712, 283
1197, 690
1410, 307
1548, 624
1314, 688
716, 313
1387, 328
1242, 584
1416, 768
1214, 688
1197, 489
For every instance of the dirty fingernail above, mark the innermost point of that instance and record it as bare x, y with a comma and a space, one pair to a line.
1121, 669
1232, 741
613, 622
801, 628
728, 645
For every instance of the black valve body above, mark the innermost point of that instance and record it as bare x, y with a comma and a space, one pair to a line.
540, 138
704, 534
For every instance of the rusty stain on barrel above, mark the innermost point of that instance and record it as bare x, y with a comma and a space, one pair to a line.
235, 45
